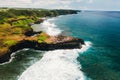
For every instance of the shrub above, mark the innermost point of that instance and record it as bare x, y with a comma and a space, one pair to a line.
41, 39
9, 42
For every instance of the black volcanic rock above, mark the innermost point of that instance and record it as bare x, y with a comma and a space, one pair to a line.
39, 21
74, 43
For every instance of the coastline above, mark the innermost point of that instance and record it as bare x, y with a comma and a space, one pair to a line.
72, 44
60, 62
31, 42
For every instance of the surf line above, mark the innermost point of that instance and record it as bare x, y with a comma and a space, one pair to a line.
57, 65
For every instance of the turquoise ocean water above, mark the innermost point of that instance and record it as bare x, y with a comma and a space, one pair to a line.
99, 62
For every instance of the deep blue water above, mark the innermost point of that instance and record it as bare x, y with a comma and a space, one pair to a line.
100, 62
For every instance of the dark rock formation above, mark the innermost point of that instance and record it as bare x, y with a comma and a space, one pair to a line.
39, 21
71, 44
30, 32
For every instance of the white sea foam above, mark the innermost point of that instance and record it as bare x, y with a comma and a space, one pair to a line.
12, 56
48, 27
57, 65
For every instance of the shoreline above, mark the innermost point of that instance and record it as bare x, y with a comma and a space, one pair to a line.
50, 60
12, 56
72, 43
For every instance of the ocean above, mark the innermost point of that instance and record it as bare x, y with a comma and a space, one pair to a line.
97, 60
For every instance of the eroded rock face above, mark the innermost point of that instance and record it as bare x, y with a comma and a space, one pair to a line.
60, 42
39, 21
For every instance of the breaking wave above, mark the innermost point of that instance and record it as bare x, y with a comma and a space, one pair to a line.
48, 27
12, 56
57, 65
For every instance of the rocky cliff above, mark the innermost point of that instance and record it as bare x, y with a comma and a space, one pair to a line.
59, 42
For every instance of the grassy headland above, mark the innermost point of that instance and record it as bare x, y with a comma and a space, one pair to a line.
14, 25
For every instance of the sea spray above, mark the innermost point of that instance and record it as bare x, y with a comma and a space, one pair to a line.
48, 27
12, 56
57, 65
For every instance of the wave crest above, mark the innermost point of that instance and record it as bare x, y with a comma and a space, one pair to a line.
57, 65
48, 27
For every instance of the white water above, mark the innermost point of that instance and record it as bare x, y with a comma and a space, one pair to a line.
48, 27
12, 56
57, 65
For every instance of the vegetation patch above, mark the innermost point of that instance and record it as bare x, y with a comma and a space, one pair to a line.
41, 38
9, 42
14, 23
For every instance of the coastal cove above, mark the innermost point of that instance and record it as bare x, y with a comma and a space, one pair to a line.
98, 60
60, 42
36, 40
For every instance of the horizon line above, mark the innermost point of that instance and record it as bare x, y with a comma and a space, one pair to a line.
59, 9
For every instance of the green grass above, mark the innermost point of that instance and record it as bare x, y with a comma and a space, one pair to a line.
22, 22
19, 17
9, 42
41, 39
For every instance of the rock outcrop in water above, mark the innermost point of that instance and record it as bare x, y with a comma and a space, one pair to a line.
59, 42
